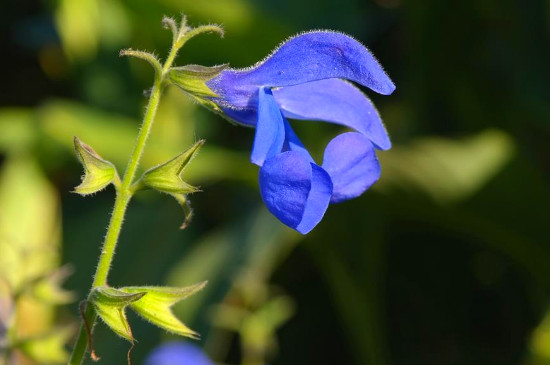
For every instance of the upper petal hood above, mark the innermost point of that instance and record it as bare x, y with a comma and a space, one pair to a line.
307, 57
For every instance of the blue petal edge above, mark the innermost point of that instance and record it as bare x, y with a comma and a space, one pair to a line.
336, 101
270, 129
295, 190
350, 160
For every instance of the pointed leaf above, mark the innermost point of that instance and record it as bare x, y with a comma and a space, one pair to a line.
167, 177
98, 173
47, 349
49, 289
156, 306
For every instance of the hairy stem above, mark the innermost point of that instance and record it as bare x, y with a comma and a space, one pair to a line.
124, 194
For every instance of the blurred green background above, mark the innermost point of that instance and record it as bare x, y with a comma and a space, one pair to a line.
446, 260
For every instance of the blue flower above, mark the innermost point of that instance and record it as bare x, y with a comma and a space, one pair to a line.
305, 79
178, 353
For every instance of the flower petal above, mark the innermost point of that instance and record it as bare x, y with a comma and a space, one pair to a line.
293, 143
295, 190
178, 353
317, 200
351, 162
307, 57
270, 129
336, 101
247, 117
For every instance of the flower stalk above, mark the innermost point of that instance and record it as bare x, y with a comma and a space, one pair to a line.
124, 193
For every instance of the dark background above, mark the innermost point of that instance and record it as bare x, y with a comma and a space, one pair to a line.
445, 261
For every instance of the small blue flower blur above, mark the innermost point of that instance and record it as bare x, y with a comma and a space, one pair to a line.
306, 78
178, 353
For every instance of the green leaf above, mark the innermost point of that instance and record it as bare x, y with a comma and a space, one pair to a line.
258, 329
47, 349
110, 305
540, 340
193, 78
98, 172
29, 226
49, 290
167, 177
86, 25
156, 306
78, 27
61, 120
446, 170
18, 128
254, 245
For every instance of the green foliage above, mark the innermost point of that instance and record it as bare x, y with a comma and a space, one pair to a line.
30, 281
448, 251
49, 348
29, 227
446, 170
48, 289
84, 25
18, 133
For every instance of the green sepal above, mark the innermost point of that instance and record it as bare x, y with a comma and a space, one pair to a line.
98, 173
167, 176
193, 78
208, 104
155, 307
110, 304
204, 73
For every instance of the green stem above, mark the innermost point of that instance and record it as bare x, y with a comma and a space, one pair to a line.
124, 194
170, 59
